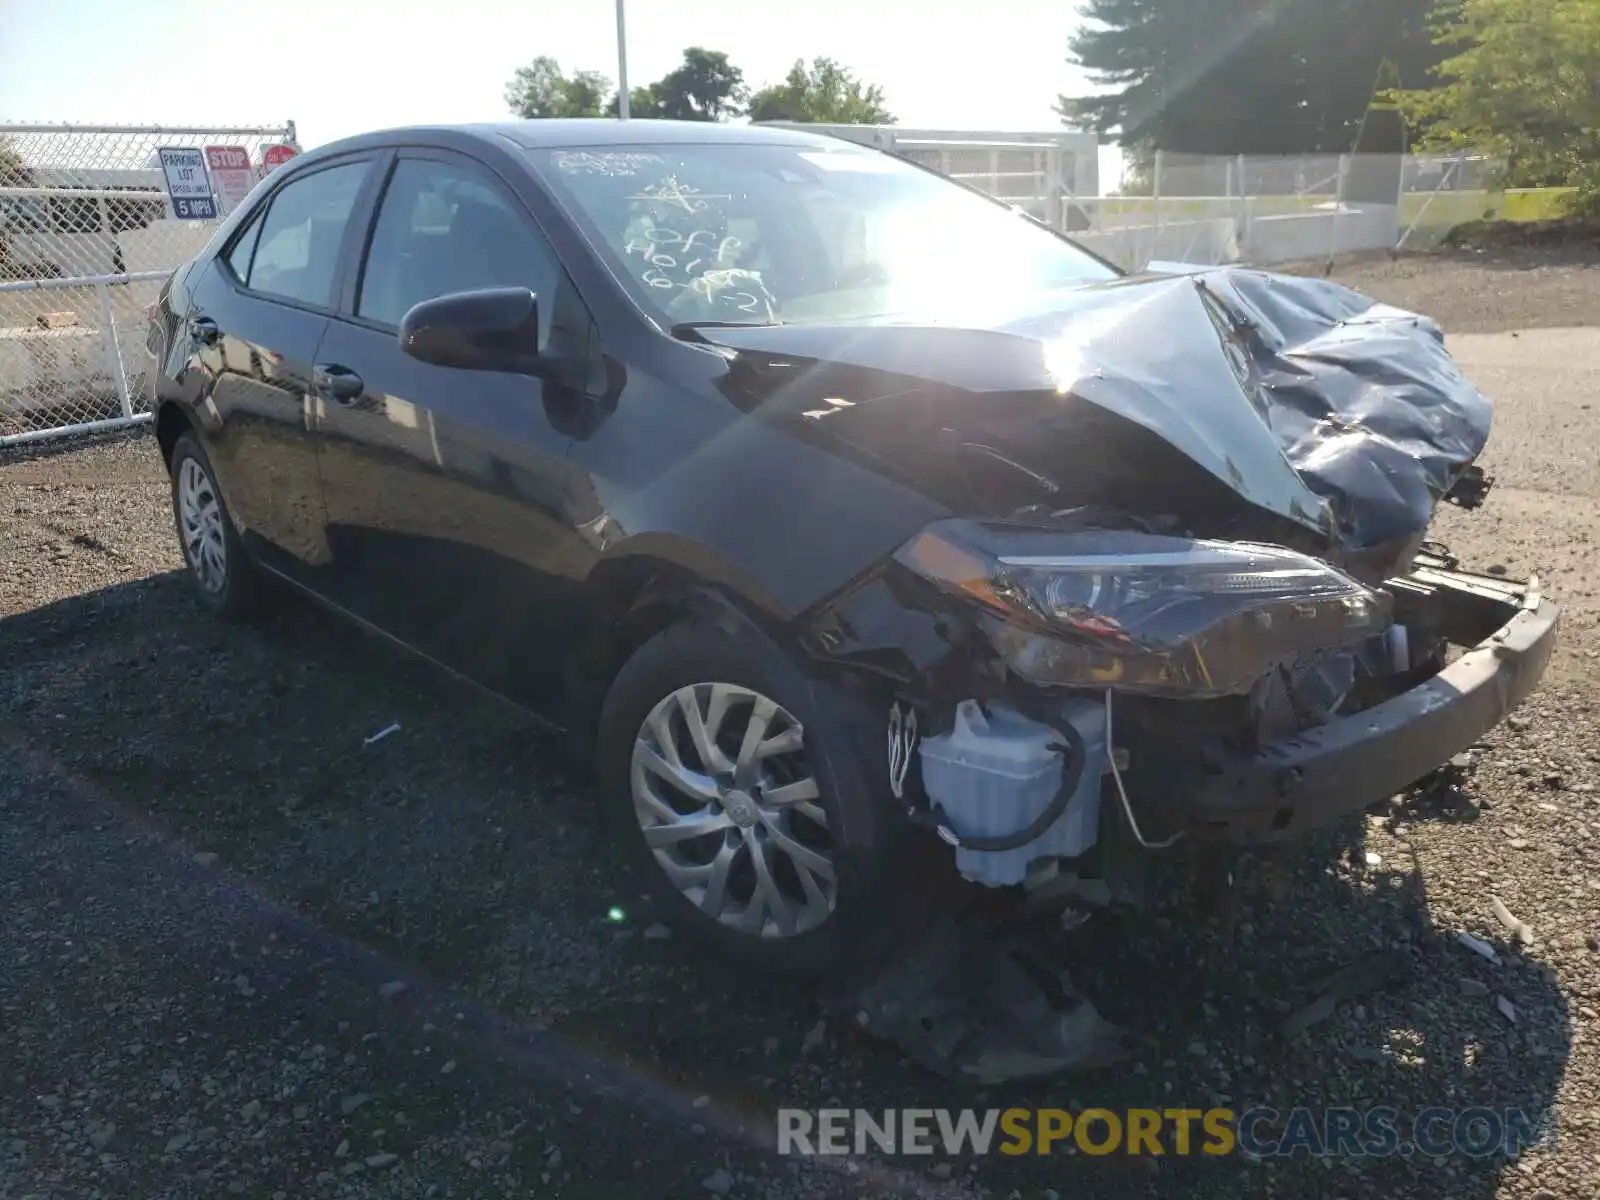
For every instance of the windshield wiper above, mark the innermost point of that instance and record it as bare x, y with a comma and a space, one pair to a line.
689, 331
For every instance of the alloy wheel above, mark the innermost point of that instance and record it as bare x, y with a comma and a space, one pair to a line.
200, 520
726, 798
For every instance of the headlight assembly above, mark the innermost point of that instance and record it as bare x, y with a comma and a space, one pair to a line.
1144, 613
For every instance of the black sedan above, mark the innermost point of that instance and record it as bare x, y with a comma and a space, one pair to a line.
838, 511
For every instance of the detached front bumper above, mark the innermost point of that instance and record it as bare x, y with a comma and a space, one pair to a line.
1295, 785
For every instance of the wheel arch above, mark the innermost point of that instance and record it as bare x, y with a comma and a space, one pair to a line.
172, 422
638, 595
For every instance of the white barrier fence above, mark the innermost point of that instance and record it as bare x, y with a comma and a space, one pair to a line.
87, 236
1216, 209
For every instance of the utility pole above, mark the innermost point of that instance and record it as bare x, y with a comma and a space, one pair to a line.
622, 62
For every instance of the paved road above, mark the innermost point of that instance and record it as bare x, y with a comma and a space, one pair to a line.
1544, 513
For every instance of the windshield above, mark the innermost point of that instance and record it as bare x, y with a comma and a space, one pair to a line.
758, 233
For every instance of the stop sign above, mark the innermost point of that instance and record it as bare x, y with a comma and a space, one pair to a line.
276, 156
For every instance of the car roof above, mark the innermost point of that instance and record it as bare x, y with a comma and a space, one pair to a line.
584, 132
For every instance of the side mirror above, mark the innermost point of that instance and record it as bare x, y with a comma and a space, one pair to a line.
491, 329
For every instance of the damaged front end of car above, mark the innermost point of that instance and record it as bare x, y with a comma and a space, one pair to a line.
1070, 675
1061, 717
1201, 590
1217, 691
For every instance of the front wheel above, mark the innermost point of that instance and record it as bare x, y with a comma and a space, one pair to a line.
713, 776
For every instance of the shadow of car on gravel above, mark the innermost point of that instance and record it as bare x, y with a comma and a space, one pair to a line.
454, 848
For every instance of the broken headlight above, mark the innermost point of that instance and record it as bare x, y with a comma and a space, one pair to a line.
1144, 613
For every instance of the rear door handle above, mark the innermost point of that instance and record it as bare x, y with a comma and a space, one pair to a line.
204, 330
337, 383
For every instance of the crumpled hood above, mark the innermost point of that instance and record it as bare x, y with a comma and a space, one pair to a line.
1305, 398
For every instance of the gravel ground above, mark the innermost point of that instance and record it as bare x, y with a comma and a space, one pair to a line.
1484, 291
244, 953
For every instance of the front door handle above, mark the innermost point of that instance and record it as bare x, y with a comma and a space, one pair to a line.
337, 383
204, 330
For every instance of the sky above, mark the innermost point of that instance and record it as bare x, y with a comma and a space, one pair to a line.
338, 67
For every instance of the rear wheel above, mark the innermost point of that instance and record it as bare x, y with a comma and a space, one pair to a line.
714, 777
224, 577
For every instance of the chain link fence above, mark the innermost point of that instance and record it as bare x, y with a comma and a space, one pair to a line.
1210, 209
1036, 172
1439, 192
1035, 175
88, 234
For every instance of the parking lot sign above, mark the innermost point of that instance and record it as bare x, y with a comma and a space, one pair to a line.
187, 183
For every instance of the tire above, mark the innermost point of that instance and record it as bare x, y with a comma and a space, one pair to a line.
742, 809
224, 577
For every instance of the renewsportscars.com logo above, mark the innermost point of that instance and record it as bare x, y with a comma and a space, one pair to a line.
1378, 1132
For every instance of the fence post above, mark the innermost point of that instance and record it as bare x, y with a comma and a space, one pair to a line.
108, 314
1155, 195
113, 348
1338, 207
1053, 189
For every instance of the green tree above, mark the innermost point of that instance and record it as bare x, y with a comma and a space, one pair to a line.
704, 87
1242, 76
825, 92
1522, 81
643, 103
542, 89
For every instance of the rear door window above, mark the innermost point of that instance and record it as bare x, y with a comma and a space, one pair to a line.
297, 254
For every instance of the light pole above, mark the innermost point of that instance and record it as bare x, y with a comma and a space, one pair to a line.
622, 62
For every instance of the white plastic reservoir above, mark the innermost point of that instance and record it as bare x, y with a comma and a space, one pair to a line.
996, 771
